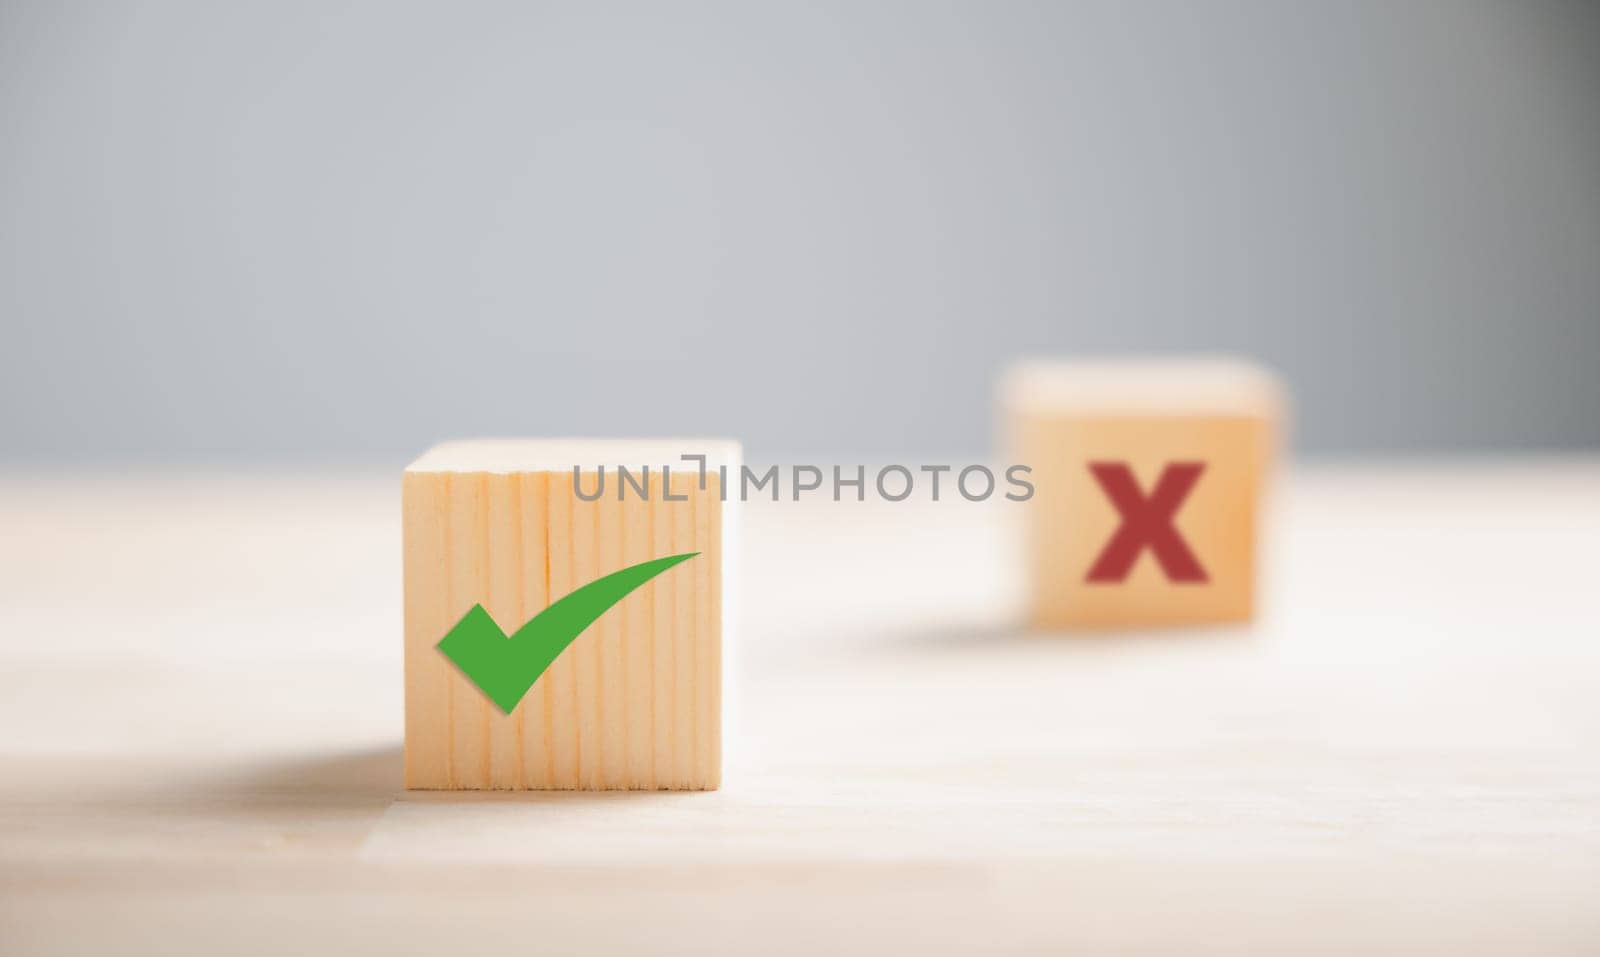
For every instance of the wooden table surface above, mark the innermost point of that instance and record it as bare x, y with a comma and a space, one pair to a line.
200, 725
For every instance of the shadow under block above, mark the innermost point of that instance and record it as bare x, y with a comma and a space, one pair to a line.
635, 701
1165, 457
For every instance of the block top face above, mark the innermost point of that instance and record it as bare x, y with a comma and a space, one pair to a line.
509, 456
1198, 386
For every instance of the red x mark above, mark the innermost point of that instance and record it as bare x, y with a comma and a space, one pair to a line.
1146, 521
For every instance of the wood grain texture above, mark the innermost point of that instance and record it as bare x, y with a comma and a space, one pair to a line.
634, 703
1062, 417
201, 728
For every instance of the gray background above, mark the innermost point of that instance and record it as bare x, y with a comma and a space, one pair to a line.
257, 232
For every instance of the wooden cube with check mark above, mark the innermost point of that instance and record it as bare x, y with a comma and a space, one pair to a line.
565, 613
1149, 478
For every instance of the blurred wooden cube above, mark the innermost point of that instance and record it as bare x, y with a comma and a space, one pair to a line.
1149, 477
635, 701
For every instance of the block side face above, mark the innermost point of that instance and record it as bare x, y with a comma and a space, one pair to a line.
632, 702
427, 705
708, 631
1072, 520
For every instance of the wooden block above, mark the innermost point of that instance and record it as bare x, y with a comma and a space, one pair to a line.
1148, 476
635, 701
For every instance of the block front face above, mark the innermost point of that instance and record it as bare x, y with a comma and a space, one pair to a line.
1149, 475
634, 702
1142, 520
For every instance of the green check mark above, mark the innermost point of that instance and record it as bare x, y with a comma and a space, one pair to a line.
505, 668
